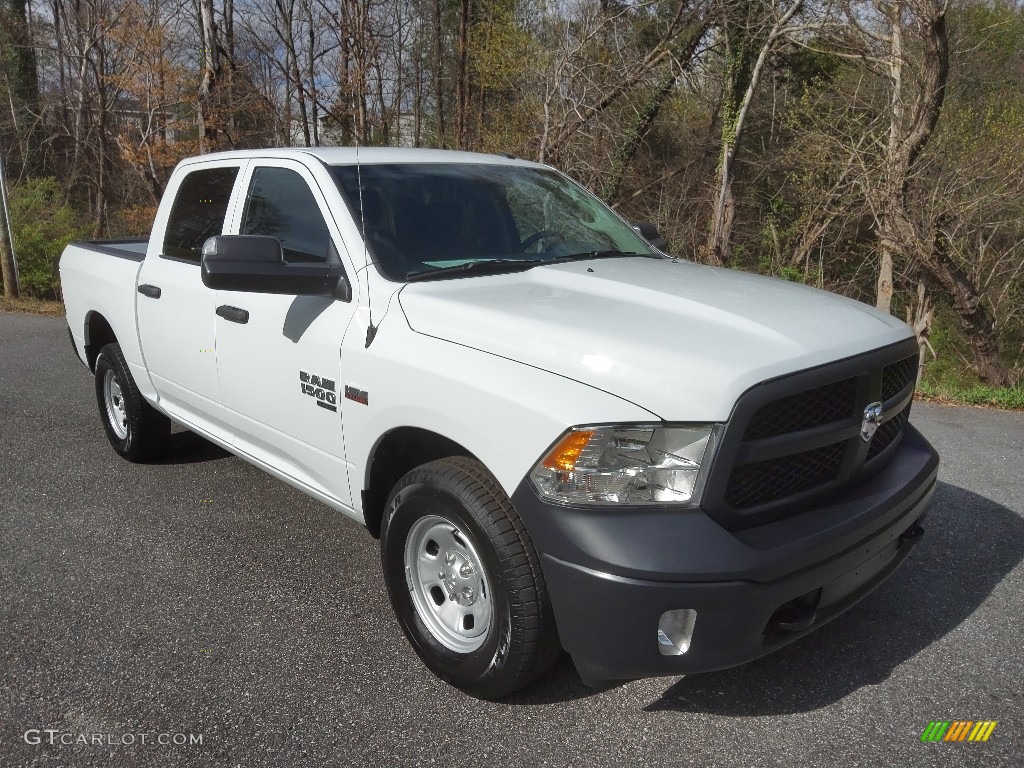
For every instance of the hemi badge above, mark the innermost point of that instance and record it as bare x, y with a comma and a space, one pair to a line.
359, 395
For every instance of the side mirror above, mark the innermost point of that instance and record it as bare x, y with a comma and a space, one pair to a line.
648, 230
255, 264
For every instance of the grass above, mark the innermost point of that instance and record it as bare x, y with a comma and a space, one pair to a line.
32, 306
1006, 398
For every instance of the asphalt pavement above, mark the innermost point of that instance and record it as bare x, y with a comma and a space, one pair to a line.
197, 612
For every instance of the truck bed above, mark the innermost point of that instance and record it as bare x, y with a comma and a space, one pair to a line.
131, 248
99, 277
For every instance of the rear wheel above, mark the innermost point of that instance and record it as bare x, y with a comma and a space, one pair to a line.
464, 579
134, 428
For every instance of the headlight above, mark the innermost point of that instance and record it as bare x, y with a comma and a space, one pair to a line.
632, 464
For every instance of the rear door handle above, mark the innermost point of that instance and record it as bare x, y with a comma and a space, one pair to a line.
149, 290
234, 314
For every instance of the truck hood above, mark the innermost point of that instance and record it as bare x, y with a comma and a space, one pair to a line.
679, 339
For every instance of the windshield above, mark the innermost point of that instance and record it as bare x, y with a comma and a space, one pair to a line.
423, 219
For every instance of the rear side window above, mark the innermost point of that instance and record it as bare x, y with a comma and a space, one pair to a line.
281, 205
198, 211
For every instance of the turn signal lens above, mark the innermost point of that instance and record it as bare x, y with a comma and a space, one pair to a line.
564, 455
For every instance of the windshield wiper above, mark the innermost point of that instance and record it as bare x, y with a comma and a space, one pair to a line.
603, 255
491, 267
497, 266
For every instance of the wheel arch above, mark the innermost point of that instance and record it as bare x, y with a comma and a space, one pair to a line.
395, 453
97, 333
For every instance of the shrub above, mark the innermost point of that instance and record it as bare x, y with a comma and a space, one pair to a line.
42, 223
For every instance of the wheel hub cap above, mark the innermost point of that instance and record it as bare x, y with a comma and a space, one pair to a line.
459, 578
113, 399
448, 584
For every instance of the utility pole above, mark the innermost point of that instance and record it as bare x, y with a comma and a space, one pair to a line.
12, 282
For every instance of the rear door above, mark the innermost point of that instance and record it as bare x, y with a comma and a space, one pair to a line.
175, 310
280, 368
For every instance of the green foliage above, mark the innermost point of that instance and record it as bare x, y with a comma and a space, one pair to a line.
809, 65
1008, 398
948, 376
43, 224
946, 371
793, 274
949, 373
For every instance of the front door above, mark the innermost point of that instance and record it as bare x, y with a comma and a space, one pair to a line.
279, 357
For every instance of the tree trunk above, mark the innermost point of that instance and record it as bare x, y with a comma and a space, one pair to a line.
626, 150
8, 268
345, 60
919, 318
208, 131
743, 75
229, 54
311, 74
439, 74
896, 233
102, 141
978, 322
417, 100
462, 84
25, 83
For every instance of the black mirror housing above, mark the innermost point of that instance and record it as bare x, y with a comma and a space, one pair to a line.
256, 264
648, 230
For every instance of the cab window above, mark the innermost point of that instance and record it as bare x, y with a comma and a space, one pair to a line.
280, 204
198, 211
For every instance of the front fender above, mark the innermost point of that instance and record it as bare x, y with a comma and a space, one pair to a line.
504, 412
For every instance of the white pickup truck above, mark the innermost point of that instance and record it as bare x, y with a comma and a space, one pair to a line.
563, 437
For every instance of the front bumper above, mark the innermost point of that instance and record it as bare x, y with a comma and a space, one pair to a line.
612, 573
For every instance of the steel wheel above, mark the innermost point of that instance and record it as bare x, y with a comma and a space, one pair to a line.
113, 399
464, 579
448, 584
134, 428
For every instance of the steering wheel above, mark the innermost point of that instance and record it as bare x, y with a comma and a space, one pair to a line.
538, 236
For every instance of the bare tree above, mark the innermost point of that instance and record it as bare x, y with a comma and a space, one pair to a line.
743, 36
209, 79
573, 96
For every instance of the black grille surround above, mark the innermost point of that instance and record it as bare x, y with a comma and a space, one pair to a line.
792, 440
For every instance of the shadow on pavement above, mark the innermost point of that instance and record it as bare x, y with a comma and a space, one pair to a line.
970, 545
186, 447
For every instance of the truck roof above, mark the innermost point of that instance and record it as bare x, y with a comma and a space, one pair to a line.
368, 155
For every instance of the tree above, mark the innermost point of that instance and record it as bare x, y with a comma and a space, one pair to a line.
748, 41
8, 268
23, 84
209, 123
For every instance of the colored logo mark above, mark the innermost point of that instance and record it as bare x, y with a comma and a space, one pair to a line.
958, 730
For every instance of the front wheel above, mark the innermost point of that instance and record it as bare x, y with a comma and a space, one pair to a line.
465, 581
134, 428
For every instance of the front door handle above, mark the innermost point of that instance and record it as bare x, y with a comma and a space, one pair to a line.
234, 314
149, 290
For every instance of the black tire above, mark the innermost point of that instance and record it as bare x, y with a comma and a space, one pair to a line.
141, 431
521, 640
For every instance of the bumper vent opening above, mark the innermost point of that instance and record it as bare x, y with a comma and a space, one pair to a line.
795, 616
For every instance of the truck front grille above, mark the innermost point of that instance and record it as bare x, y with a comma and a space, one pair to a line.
795, 439
803, 410
888, 433
765, 481
896, 376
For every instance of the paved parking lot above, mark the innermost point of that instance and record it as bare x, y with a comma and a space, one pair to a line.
199, 597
